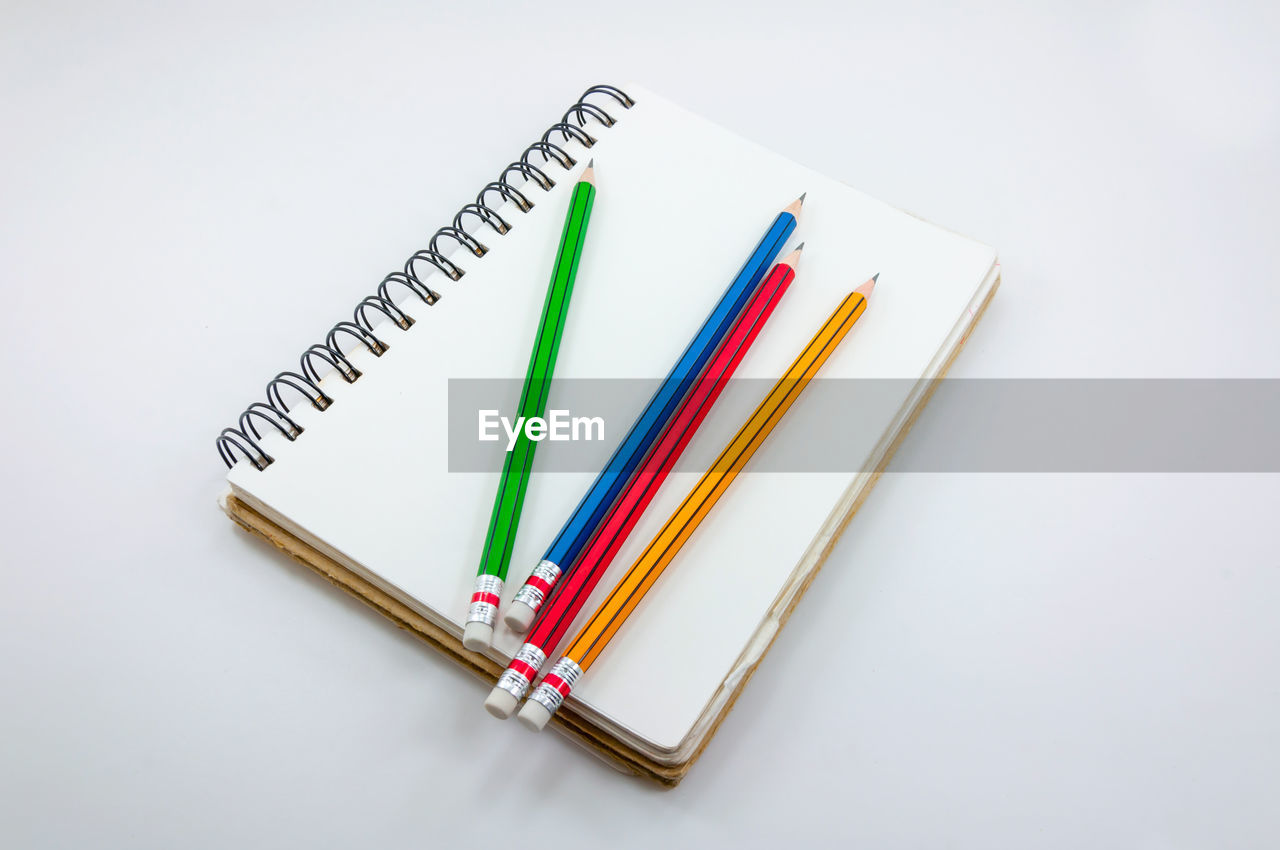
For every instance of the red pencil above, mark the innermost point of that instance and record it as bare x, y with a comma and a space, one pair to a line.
566, 602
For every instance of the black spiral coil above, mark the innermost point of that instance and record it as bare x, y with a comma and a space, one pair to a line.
274, 412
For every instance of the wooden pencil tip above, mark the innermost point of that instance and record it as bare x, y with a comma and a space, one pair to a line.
803, 195
867, 288
794, 206
875, 277
793, 258
591, 163
589, 173
799, 247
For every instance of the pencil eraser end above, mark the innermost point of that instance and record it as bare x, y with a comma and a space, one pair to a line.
500, 703
520, 616
534, 715
477, 636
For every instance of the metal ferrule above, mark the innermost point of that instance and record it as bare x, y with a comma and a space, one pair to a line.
557, 685
484, 600
535, 589
516, 679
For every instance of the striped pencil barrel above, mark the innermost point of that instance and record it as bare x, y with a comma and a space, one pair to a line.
504, 521
587, 516
558, 615
605, 622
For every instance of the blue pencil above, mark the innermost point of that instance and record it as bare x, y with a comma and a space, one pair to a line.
587, 516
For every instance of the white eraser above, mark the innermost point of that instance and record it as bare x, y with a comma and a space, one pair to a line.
534, 715
477, 636
520, 616
500, 703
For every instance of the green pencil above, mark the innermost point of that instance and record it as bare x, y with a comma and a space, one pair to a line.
494, 560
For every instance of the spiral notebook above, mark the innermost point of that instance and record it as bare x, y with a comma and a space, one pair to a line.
344, 464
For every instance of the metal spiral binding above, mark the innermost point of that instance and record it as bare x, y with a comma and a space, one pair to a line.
274, 412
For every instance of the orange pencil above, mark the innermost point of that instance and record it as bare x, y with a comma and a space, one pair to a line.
586, 647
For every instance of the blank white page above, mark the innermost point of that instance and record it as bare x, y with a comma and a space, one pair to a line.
369, 477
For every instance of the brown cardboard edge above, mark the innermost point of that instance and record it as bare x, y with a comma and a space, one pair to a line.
567, 721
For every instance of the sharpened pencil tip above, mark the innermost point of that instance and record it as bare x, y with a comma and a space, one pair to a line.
876, 277
803, 195
591, 163
867, 288
800, 247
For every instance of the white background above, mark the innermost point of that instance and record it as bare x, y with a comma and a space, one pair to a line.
189, 196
